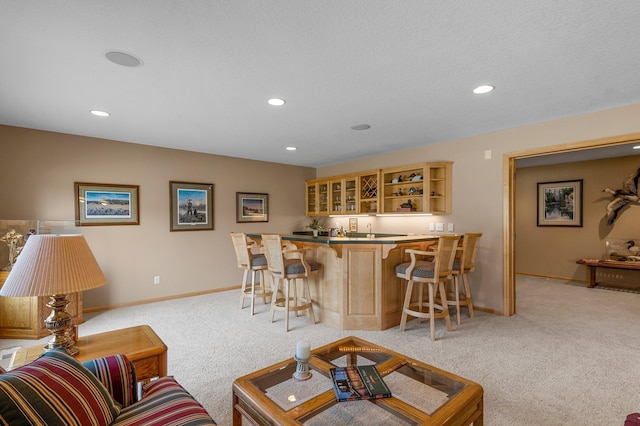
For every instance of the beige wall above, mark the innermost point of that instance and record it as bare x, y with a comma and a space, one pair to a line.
39, 169
553, 251
478, 183
37, 182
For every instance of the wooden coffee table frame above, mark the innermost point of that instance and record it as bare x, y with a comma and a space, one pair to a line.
464, 407
140, 344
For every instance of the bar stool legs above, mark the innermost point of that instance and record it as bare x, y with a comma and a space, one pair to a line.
290, 302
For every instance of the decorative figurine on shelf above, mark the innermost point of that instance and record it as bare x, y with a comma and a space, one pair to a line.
408, 204
16, 242
622, 197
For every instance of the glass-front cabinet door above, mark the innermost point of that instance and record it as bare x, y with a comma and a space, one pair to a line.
337, 196
323, 198
317, 198
351, 195
312, 199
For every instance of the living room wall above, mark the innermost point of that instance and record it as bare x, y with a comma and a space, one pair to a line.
553, 251
37, 182
40, 167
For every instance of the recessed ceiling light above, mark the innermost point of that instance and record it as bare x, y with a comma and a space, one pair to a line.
291, 148
276, 102
483, 89
100, 113
361, 127
123, 58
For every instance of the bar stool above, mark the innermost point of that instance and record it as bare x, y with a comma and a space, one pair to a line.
435, 272
289, 266
464, 263
254, 263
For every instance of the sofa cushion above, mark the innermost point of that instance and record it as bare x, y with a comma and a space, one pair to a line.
55, 389
118, 375
164, 403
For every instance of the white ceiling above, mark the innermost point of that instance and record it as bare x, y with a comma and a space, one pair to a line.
404, 67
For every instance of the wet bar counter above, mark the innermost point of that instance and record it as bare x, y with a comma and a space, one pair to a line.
356, 287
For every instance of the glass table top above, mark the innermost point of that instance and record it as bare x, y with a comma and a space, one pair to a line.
418, 389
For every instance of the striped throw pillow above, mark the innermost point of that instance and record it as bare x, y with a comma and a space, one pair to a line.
55, 389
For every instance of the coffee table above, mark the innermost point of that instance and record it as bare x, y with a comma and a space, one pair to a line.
140, 344
421, 394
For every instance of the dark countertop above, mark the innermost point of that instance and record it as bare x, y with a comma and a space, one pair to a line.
354, 238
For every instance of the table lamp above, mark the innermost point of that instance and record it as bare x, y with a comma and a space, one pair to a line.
54, 266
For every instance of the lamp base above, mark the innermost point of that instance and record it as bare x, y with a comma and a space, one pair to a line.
60, 325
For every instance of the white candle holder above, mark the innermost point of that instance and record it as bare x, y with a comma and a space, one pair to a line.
302, 369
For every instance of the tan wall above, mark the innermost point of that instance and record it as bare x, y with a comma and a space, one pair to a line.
478, 183
553, 251
39, 169
37, 182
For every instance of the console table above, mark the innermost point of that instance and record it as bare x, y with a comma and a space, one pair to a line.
23, 317
593, 264
140, 344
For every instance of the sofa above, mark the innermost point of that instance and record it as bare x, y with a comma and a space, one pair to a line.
56, 389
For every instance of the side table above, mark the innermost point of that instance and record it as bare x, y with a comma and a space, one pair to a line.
140, 344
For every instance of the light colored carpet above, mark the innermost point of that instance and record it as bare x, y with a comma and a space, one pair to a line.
570, 355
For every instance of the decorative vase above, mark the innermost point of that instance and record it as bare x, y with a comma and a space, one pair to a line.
315, 232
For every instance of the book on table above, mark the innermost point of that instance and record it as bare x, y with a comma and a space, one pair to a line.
353, 383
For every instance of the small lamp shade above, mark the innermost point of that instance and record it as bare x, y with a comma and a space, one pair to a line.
53, 264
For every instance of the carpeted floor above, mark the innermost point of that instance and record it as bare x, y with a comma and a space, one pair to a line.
569, 356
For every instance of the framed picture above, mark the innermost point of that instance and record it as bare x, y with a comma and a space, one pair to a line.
191, 206
353, 224
252, 207
560, 203
106, 204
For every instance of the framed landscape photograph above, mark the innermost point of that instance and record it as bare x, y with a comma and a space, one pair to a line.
106, 204
191, 206
252, 207
560, 203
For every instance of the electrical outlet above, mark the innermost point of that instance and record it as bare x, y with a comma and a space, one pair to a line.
156, 279
432, 226
439, 227
449, 227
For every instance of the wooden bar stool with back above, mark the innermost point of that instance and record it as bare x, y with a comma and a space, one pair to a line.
289, 266
433, 268
253, 263
463, 264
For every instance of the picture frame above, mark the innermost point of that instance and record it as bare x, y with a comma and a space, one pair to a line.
353, 224
560, 203
100, 204
252, 207
191, 206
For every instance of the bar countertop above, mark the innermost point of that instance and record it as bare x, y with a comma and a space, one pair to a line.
354, 238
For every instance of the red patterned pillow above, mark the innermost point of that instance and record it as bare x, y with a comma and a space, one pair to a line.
55, 389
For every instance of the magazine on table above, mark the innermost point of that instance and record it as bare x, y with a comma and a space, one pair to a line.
354, 383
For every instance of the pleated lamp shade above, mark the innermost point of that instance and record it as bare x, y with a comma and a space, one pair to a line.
53, 265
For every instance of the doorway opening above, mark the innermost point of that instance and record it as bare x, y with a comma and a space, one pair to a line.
509, 207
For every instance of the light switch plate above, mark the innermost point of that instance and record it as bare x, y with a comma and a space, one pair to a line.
440, 227
449, 227
432, 226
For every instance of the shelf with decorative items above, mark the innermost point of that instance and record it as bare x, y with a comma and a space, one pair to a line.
404, 189
416, 189
440, 187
